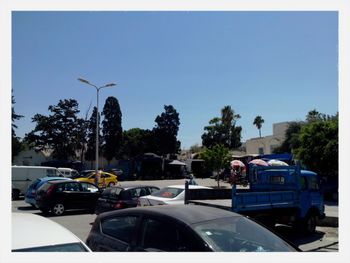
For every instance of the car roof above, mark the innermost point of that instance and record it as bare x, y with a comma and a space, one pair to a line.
189, 214
182, 186
30, 230
130, 186
64, 180
44, 179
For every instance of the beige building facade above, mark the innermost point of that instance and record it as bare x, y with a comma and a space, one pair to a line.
266, 145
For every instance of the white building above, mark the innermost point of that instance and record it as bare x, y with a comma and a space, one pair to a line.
266, 145
31, 157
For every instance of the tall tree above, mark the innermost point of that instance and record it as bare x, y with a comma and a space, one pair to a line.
91, 137
258, 121
314, 115
58, 131
112, 132
223, 130
166, 130
16, 143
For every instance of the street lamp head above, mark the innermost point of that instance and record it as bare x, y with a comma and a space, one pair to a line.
83, 80
110, 85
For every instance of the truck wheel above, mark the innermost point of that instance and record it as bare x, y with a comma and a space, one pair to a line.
58, 209
310, 224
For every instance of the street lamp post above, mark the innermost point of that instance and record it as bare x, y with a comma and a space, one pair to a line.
97, 119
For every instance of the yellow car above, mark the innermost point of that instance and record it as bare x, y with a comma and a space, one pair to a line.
105, 180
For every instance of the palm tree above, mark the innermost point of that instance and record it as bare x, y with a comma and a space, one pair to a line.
258, 121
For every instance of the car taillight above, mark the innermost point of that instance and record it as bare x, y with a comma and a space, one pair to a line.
138, 202
33, 191
119, 205
50, 190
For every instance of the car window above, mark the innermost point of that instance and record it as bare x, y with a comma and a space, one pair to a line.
129, 194
153, 189
239, 234
89, 187
121, 228
71, 186
164, 236
168, 192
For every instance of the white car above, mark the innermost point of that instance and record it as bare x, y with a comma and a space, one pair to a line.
34, 233
170, 195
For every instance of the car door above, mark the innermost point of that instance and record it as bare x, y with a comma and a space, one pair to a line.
89, 194
73, 195
118, 233
165, 234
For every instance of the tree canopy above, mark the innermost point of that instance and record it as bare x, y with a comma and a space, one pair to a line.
58, 131
16, 143
165, 131
91, 136
223, 130
112, 131
216, 159
258, 121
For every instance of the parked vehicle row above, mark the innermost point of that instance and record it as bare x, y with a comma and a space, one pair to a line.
170, 195
119, 197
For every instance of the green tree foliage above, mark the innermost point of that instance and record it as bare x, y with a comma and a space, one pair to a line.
58, 131
165, 131
91, 137
223, 130
16, 143
112, 131
318, 149
258, 121
291, 138
216, 159
137, 141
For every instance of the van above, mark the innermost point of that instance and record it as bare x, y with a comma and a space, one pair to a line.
68, 172
23, 176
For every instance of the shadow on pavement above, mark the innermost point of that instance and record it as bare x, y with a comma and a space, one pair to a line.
297, 238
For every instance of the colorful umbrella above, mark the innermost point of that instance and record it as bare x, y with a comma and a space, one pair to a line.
259, 162
237, 163
275, 162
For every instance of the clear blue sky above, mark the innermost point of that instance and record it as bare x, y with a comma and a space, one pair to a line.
279, 65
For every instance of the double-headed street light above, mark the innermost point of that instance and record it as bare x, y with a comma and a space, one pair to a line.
97, 119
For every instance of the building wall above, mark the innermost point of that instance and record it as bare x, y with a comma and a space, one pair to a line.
30, 157
265, 145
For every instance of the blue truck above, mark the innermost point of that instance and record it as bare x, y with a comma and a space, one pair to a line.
276, 194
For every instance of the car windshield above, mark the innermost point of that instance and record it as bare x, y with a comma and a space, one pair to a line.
168, 192
239, 234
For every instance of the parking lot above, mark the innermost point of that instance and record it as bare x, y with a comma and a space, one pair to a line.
79, 222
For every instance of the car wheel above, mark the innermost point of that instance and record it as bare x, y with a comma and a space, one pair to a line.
15, 194
58, 209
111, 184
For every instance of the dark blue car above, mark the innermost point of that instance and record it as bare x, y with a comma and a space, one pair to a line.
31, 191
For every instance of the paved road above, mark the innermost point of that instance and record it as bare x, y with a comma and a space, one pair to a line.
325, 238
